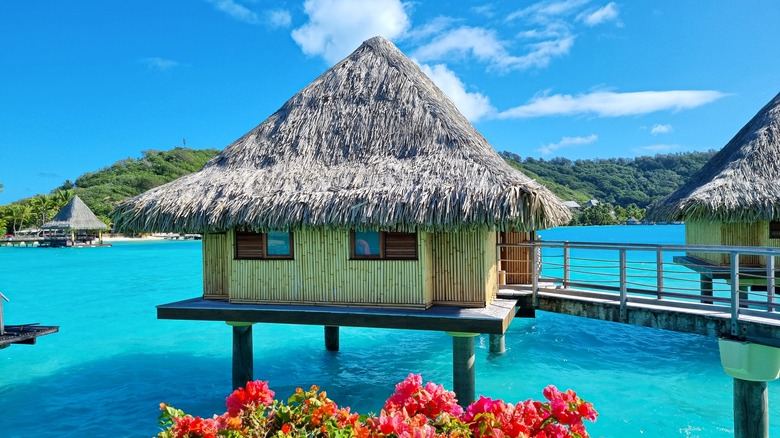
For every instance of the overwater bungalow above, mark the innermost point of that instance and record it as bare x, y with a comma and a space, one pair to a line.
734, 200
367, 189
74, 225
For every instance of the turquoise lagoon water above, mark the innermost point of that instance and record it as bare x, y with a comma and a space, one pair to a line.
113, 362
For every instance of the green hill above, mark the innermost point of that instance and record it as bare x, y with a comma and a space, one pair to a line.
617, 181
103, 189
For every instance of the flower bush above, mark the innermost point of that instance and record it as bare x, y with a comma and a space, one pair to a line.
413, 411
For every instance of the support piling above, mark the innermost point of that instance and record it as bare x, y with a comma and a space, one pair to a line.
331, 338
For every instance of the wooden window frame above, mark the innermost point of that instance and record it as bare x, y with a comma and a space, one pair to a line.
264, 245
382, 248
774, 230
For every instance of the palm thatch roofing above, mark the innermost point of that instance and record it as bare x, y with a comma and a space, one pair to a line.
741, 183
75, 215
371, 143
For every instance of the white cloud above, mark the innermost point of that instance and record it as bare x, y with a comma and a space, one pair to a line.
567, 142
611, 104
336, 27
601, 15
661, 129
484, 45
236, 11
656, 148
160, 64
544, 12
279, 18
474, 106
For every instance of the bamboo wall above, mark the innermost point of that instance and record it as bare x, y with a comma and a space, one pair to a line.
322, 274
729, 234
465, 268
452, 268
217, 253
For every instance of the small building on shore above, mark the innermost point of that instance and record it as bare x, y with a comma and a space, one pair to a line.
572, 205
75, 224
734, 200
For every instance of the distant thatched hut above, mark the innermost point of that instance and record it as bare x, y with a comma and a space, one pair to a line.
735, 198
367, 187
75, 218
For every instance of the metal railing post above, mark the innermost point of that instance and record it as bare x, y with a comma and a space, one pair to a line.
566, 261
770, 282
734, 293
623, 286
535, 259
2, 323
659, 272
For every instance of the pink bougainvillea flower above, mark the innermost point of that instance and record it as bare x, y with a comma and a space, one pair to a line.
255, 394
187, 426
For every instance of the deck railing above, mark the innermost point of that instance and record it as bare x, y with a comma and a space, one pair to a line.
666, 275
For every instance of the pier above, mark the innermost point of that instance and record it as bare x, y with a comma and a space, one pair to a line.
668, 287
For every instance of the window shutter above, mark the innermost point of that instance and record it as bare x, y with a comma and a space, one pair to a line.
249, 245
774, 230
401, 246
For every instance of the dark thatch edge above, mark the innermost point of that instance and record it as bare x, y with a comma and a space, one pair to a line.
371, 143
741, 183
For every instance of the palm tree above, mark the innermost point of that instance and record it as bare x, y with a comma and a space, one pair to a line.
19, 215
43, 206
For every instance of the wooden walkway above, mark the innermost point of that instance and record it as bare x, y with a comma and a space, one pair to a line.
638, 284
687, 317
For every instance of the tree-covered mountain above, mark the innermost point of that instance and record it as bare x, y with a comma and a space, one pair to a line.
103, 189
617, 181
623, 186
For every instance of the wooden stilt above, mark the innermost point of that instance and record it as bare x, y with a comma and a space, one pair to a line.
706, 288
497, 344
744, 295
331, 338
751, 409
463, 373
243, 356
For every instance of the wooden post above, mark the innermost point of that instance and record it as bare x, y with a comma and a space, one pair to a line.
706, 288
497, 343
751, 409
463, 373
243, 355
744, 296
331, 338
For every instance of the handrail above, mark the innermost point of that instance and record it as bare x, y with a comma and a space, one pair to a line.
672, 274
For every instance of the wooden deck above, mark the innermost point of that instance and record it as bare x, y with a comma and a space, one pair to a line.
24, 334
493, 319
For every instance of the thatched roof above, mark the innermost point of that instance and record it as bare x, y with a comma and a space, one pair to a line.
75, 215
741, 183
371, 143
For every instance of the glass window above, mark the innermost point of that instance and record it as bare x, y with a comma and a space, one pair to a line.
367, 244
270, 245
278, 244
384, 245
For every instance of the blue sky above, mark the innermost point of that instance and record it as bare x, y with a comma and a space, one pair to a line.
86, 83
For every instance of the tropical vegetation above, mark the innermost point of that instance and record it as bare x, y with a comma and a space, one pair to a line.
414, 410
103, 189
624, 187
